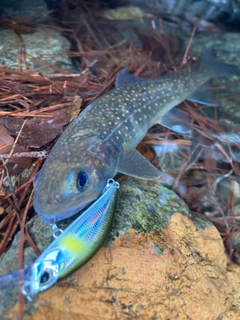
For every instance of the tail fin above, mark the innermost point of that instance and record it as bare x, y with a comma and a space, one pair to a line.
214, 67
220, 68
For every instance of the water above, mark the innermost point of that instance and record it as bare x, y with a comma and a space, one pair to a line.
85, 44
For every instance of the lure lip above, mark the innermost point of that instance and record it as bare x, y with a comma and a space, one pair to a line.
14, 277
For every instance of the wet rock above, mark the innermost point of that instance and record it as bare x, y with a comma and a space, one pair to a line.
167, 266
208, 14
39, 46
126, 13
187, 278
23, 9
144, 206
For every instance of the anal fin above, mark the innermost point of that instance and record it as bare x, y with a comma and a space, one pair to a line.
204, 95
177, 121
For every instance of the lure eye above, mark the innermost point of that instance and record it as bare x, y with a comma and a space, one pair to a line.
45, 277
82, 180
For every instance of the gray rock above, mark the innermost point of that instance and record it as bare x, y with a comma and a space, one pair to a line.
144, 206
49, 46
24, 8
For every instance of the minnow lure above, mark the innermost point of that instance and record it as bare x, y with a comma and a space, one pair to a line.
72, 248
101, 142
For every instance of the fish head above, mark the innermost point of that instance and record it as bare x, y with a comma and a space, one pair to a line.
73, 176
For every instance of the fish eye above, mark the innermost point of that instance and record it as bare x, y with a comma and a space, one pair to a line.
45, 277
82, 180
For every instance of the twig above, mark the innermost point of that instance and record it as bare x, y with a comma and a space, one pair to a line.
31, 154
15, 143
184, 60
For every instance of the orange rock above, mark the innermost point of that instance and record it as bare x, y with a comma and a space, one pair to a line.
130, 280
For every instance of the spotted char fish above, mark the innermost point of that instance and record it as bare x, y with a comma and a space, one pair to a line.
101, 142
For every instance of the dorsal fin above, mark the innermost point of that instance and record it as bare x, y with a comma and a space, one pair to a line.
124, 77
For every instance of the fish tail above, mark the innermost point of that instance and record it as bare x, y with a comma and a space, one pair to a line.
218, 67
211, 67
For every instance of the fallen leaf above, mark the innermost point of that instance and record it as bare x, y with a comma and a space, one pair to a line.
37, 131
5, 139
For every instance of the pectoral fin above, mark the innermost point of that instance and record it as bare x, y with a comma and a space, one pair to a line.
132, 163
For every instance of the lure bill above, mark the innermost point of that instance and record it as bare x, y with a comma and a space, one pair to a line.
72, 248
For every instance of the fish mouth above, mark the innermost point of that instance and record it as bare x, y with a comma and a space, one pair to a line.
51, 218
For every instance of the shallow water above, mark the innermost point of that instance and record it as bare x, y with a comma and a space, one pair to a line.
88, 40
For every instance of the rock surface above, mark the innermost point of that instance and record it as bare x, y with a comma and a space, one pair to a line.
187, 278
41, 48
144, 206
177, 271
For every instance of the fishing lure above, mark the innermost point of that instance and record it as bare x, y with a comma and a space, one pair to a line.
73, 247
